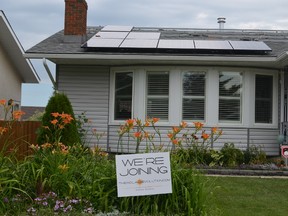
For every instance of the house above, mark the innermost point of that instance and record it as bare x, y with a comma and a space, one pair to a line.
231, 78
14, 68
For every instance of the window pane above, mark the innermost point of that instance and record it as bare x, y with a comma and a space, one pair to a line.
193, 109
229, 109
158, 107
263, 98
123, 95
193, 103
158, 95
230, 88
194, 84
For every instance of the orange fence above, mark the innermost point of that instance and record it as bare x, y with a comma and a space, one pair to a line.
19, 136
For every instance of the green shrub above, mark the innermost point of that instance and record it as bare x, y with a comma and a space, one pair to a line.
231, 156
254, 155
58, 103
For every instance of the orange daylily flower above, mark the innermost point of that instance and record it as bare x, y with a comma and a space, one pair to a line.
176, 129
198, 125
170, 135
130, 122
3, 130
2, 102
183, 124
55, 115
54, 122
147, 123
205, 136
175, 142
137, 134
154, 120
17, 114
214, 130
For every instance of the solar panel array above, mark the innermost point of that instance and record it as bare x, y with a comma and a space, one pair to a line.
123, 37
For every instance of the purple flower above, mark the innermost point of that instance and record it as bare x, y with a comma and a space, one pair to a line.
74, 201
68, 208
88, 210
5, 200
45, 203
31, 210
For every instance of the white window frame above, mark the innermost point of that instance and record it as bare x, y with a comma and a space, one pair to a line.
240, 98
157, 96
274, 123
113, 73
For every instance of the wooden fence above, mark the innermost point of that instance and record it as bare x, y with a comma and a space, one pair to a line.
18, 137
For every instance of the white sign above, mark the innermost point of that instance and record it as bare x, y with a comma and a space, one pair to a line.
143, 174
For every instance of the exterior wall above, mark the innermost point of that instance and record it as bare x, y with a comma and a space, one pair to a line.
90, 90
263, 138
10, 82
87, 88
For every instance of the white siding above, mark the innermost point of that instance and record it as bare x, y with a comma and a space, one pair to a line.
87, 88
264, 139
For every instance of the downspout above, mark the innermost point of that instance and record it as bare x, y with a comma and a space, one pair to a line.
49, 74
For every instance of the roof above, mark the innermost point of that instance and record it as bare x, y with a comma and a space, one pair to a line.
55, 47
15, 52
30, 111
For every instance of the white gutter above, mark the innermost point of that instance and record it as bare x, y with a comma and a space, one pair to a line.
150, 57
49, 73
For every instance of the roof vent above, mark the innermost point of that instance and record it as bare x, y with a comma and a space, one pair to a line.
221, 21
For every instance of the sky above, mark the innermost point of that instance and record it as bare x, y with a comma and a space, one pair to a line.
35, 20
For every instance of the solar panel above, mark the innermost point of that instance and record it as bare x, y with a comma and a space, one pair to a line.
98, 42
144, 35
250, 45
117, 28
111, 35
139, 43
212, 44
176, 44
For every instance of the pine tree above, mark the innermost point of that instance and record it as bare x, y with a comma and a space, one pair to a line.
58, 103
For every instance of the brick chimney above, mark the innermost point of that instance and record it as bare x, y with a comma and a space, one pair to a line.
75, 20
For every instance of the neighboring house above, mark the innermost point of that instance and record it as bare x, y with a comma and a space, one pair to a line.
233, 79
14, 68
31, 111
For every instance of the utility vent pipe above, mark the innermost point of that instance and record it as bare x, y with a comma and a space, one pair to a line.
221, 21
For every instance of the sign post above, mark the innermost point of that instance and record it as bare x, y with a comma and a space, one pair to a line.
143, 174
284, 152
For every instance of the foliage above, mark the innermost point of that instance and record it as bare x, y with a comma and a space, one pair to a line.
58, 103
254, 155
37, 116
231, 156
189, 196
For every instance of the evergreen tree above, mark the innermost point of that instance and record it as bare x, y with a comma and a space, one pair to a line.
58, 103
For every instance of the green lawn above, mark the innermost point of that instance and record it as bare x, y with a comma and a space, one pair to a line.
251, 196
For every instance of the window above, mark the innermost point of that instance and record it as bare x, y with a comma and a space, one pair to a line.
193, 103
263, 98
123, 95
157, 95
230, 88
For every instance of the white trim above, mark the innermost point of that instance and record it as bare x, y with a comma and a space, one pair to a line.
211, 94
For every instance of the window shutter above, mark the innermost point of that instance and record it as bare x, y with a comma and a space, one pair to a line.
158, 95
193, 104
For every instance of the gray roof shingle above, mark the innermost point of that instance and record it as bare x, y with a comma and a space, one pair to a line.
277, 40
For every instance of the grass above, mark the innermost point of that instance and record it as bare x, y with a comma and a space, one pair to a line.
250, 196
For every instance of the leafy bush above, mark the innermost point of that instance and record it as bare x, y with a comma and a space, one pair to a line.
231, 156
254, 155
58, 103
